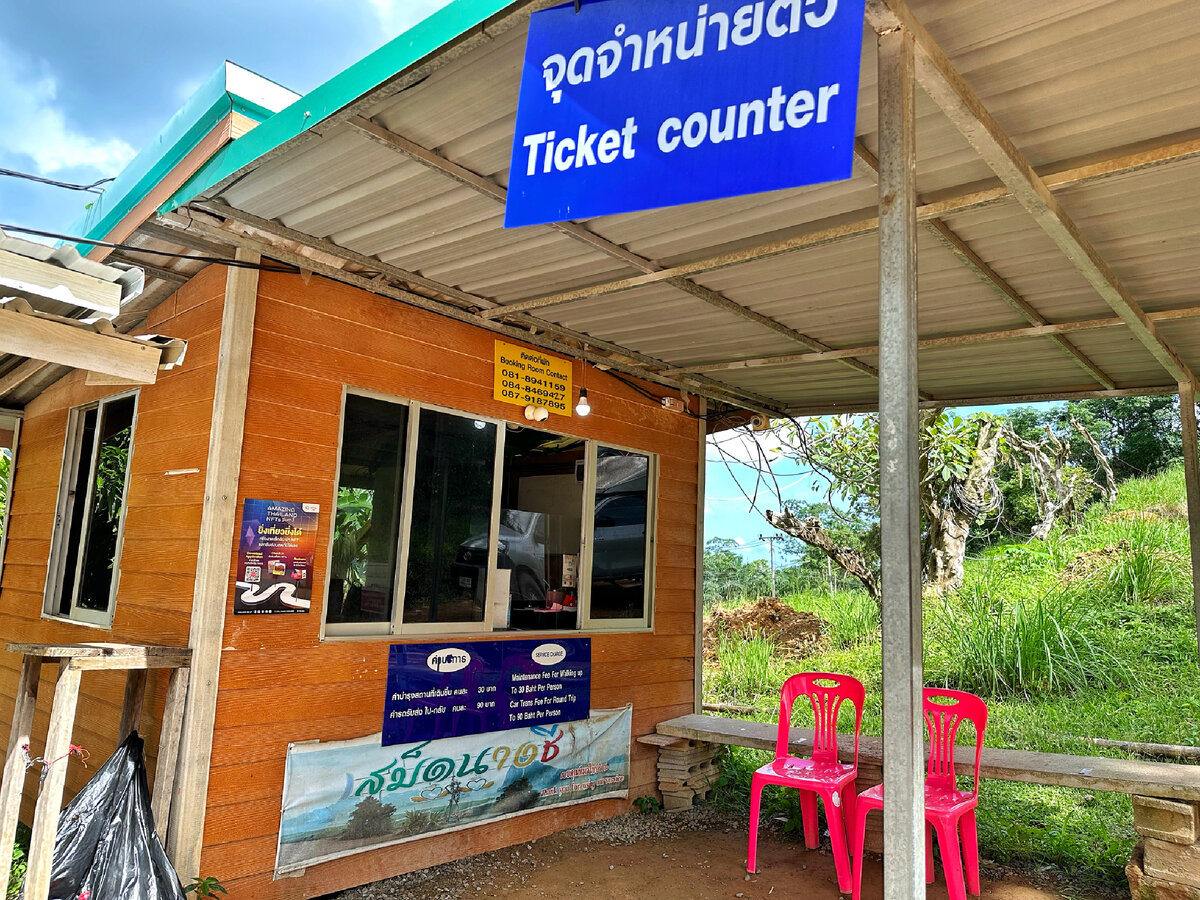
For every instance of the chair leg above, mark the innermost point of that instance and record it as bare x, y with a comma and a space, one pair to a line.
970, 847
928, 852
756, 788
860, 838
808, 810
849, 795
947, 834
837, 838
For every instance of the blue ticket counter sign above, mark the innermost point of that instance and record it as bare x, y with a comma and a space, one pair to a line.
630, 105
446, 690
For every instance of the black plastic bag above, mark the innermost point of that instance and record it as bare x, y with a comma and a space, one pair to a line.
106, 847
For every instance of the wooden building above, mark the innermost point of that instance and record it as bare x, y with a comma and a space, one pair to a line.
354, 338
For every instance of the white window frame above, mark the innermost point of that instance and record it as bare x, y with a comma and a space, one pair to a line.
645, 621
396, 626
56, 568
12, 477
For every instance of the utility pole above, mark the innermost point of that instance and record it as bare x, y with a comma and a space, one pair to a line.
771, 539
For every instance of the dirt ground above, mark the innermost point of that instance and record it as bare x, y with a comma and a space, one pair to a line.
700, 854
767, 617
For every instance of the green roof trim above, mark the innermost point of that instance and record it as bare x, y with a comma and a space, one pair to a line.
341, 90
203, 111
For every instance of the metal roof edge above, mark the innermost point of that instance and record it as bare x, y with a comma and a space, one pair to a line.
202, 112
424, 38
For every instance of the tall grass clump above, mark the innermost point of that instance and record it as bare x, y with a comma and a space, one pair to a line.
999, 647
850, 617
1148, 564
747, 668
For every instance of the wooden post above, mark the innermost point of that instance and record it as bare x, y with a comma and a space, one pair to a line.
168, 749
1191, 477
14, 763
899, 513
135, 699
185, 836
49, 803
702, 425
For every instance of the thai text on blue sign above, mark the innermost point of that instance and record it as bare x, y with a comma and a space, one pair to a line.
631, 105
445, 690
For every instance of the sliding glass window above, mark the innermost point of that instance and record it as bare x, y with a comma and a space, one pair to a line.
450, 523
362, 560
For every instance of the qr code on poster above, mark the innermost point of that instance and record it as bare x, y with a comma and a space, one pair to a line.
253, 574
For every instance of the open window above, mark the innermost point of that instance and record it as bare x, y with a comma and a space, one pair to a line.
452, 523
10, 430
86, 549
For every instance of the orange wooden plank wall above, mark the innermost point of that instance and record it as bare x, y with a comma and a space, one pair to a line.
158, 562
279, 683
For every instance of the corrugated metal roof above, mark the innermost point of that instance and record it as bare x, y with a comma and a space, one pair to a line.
57, 298
1083, 89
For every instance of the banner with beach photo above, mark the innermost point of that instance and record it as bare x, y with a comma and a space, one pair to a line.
346, 797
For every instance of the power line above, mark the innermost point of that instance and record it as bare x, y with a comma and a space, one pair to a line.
90, 188
218, 260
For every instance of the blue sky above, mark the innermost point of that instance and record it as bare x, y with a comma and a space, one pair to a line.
86, 87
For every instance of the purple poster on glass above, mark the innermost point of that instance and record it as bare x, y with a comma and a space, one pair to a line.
446, 690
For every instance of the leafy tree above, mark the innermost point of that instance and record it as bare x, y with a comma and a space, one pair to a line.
1140, 435
957, 487
370, 818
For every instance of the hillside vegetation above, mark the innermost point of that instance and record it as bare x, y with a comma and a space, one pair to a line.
1089, 633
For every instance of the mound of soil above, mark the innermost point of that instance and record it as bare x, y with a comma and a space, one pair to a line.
768, 618
1150, 513
1088, 563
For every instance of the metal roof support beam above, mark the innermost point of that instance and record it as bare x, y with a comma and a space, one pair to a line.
714, 391
951, 340
946, 87
989, 276
644, 365
863, 222
1082, 392
151, 270
899, 467
489, 188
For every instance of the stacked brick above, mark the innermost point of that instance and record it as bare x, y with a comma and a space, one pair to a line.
1166, 865
686, 769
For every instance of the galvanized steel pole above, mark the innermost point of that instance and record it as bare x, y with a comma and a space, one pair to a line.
899, 510
1191, 478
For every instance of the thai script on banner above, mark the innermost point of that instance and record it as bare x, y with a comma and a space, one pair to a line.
348, 797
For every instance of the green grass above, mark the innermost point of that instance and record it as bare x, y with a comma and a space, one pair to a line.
19, 860
1062, 647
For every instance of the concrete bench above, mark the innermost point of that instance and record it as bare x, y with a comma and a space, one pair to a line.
1166, 796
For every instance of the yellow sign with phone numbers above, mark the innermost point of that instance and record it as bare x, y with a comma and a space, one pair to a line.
525, 377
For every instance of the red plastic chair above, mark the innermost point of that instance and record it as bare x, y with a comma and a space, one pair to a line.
824, 775
947, 809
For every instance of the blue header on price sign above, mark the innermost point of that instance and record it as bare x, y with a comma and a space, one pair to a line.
445, 690
629, 105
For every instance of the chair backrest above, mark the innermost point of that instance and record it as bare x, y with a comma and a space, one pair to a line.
945, 711
825, 691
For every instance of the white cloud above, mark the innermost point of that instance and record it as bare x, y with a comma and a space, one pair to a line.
33, 126
397, 16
